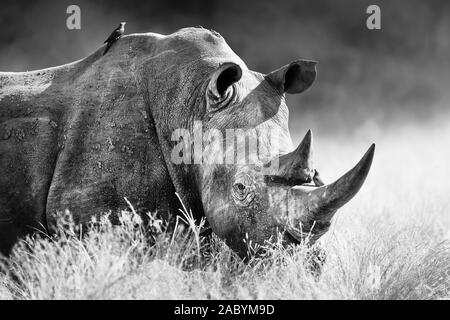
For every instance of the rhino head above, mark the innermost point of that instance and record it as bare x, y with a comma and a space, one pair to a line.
259, 189
263, 194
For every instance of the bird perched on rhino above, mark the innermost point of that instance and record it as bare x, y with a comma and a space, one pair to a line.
115, 35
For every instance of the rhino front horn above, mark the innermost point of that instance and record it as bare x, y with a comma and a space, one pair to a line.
321, 203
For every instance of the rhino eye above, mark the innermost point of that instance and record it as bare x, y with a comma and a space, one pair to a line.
243, 194
239, 191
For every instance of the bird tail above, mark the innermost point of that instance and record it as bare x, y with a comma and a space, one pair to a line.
108, 46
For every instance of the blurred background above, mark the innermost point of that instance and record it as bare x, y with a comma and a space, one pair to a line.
371, 84
388, 86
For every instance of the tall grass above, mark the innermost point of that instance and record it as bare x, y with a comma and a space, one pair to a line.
391, 242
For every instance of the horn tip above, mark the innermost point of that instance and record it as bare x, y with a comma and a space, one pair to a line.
306, 141
371, 150
366, 161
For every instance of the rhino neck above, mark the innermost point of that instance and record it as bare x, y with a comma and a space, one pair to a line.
109, 147
117, 126
184, 177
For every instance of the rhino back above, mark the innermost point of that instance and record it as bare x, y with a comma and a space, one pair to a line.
76, 137
109, 147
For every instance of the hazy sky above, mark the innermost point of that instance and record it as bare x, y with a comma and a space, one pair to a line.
399, 71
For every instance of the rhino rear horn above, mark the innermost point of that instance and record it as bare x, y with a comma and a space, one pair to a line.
298, 164
295, 77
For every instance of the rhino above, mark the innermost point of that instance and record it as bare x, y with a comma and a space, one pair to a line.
86, 135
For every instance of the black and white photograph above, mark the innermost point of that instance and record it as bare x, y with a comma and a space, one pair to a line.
234, 152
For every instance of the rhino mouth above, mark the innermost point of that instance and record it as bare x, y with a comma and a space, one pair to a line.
290, 237
306, 234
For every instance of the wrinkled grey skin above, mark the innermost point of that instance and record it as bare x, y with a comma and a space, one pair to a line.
85, 135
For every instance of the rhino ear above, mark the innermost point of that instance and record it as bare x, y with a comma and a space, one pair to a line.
295, 77
222, 79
